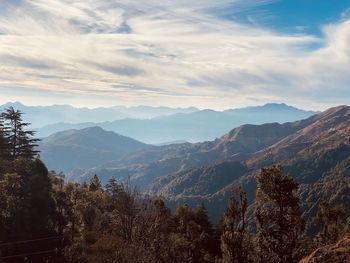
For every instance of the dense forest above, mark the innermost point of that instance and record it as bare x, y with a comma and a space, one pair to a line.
43, 218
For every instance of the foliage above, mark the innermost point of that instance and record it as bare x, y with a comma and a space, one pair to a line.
278, 219
235, 243
19, 141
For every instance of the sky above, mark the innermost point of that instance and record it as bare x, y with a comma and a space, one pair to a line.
178, 53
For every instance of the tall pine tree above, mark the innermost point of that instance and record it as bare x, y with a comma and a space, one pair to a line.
278, 218
21, 141
234, 239
4, 143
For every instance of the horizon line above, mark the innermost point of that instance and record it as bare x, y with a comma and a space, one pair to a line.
170, 107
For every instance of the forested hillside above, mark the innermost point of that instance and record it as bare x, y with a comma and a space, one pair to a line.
266, 215
86, 148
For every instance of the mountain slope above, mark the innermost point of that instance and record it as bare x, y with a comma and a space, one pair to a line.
317, 155
336, 253
238, 145
315, 151
85, 148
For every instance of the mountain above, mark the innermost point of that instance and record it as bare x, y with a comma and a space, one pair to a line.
196, 126
315, 151
41, 116
237, 145
316, 154
86, 148
146, 165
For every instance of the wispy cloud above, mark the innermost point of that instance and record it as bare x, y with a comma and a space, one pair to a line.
151, 52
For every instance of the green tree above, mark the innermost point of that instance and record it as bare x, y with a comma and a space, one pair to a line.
113, 189
191, 236
4, 143
10, 205
21, 141
27, 209
278, 219
95, 184
37, 204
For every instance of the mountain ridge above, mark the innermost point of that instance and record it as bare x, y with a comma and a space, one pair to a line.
238, 145
85, 148
315, 151
202, 125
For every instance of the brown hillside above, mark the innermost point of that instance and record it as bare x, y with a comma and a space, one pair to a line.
337, 253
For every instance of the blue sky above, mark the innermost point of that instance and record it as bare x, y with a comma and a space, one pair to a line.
295, 16
208, 54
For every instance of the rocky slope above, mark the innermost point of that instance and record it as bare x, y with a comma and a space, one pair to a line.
337, 253
316, 154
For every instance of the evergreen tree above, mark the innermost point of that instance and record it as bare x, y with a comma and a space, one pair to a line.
210, 244
4, 143
27, 209
21, 141
234, 240
95, 184
113, 189
190, 240
278, 219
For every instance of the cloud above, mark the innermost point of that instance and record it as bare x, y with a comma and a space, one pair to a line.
134, 52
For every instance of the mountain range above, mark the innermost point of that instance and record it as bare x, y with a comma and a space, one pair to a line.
315, 151
41, 116
193, 126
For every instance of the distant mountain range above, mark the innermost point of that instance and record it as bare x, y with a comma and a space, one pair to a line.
315, 151
192, 126
41, 116
85, 148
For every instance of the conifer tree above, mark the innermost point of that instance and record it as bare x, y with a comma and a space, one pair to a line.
233, 237
4, 143
95, 184
21, 141
113, 189
278, 219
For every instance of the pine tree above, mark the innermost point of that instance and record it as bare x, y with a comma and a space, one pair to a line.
4, 143
192, 235
21, 141
113, 189
207, 244
157, 232
95, 184
233, 237
278, 219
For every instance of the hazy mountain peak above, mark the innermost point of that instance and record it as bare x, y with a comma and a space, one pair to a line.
15, 104
85, 148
